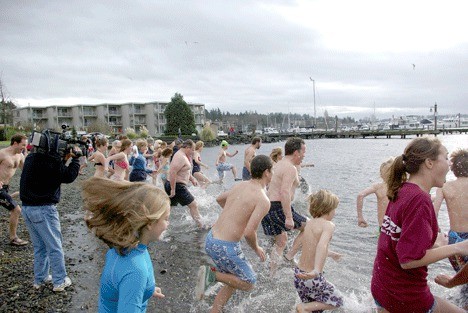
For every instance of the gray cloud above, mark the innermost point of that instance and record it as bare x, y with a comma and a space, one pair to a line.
235, 55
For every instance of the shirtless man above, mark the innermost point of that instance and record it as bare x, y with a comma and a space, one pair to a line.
282, 217
380, 191
249, 154
244, 206
456, 198
180, 174
221, 164
10, 159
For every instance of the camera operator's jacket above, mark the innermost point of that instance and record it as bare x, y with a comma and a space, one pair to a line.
42, 176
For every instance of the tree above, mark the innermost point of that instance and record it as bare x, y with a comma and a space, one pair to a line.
7, 107
179, 116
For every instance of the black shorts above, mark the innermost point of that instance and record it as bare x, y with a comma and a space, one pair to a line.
182, 194
274, 222
5, 199
137, 175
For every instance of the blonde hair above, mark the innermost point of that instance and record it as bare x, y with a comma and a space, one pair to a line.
117, 211
275, 153
141, 143
322, 202
199, 145
385, 168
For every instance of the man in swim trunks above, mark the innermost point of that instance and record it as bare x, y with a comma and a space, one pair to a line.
10, 159
221, 164
282, 218
249, 154
180, 174
243, 209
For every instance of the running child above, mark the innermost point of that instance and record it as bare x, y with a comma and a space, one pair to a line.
221, 164
244, 206
315, 291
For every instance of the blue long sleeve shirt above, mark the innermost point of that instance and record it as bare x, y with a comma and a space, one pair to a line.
127, 281
139, 163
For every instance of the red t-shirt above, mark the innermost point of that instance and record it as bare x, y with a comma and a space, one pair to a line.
409, 229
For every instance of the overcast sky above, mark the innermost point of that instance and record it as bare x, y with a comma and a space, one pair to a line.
394, 57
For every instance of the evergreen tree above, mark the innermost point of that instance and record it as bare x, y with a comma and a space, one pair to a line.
179, 116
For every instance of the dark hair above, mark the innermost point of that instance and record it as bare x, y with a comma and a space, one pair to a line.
416, 152
459, 160
260, 164
167, 152
188, 143
256, 139
293, 144
101, 141
17, 138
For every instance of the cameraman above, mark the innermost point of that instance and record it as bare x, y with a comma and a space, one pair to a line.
43, 173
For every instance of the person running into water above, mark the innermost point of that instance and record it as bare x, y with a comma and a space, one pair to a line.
408, 242
127, 217
138, 161
197, 164
12, 158
221, 164
380, 191
99, 157
164, 164
281, 217
249, 154
276, 154
315, 291
243, 209
180, 174
120, 159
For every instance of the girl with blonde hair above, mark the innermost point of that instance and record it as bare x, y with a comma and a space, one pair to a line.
127, 217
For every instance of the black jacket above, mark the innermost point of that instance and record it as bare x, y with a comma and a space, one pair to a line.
42, 176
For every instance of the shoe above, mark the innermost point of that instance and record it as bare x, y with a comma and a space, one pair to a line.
46, 280
18, 242
206, 278
237, 179
66, 283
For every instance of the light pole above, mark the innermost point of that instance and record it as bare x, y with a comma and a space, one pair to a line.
435, 115
315, 112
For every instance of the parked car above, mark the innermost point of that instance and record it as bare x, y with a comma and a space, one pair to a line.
221, 133
97, 134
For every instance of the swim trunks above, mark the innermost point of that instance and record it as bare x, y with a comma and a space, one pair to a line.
222, 167
229, 258
246, 174
5, 199
182, 194
274, 222
317, 289
457, 261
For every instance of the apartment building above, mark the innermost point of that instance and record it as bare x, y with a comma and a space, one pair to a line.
117, 116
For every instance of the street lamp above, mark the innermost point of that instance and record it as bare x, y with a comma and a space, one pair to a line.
315, 112
435, 114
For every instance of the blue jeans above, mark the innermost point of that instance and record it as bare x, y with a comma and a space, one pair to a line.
44, 229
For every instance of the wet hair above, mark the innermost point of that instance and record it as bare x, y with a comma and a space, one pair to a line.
385, 168
275, 153
101, 141
260, 164
322, 202
256, 139
199, 144
459, 163
118, 211
188, 143
141, 143
293, 144
125, 144
416, 152
17, 138
167, 152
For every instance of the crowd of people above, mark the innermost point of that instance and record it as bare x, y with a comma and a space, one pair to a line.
126, 209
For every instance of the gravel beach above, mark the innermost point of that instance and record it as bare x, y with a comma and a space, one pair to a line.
84, 258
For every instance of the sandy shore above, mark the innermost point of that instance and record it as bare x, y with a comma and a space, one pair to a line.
84, 257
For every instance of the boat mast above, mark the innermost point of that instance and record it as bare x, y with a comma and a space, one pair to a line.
315, 112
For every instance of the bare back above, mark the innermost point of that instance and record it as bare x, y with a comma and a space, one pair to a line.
285, 177
245, 205
456, 197
9, 162
249, 154
181, 167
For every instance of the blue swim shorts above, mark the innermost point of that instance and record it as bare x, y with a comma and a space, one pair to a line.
274, 222
246, 174
182, 194
223, 167
229, 258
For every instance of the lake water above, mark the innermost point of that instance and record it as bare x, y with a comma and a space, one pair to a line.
344, 166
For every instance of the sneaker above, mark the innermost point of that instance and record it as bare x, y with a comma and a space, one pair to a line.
46, 280
66, 283
206, 278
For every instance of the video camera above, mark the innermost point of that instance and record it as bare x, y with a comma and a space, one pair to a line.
55, 143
